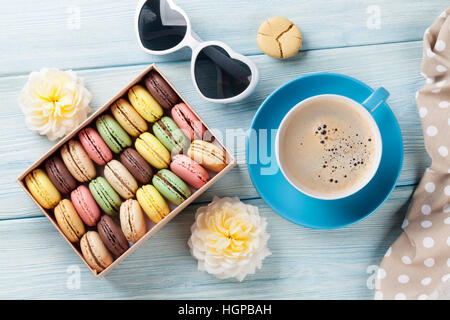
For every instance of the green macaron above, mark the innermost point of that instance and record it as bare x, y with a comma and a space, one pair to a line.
171, 186
170, 135
114, 135
105, 196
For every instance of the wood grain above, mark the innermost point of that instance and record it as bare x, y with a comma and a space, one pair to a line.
305, 263
83, 35
100, 43
20, 148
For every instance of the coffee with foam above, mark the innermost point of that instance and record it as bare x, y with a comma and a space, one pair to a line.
329, 147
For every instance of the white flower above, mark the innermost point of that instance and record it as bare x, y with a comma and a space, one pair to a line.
229, 238
54, 102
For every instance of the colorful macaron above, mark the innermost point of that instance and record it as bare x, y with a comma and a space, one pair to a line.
152, 203
86, 206
112, 236
188, 122
60, 175
132, 220
161, 90
137, 166
171, 186
208, 155
152, 150
145, 104
106, 197
189, 170
128, 117
94, 146
170, 135
95, 252
69, 221
77, 161
42, 189
120, 179
114, 135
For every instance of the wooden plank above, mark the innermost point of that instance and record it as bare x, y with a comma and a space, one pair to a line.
82, 35
395, 66
305, 263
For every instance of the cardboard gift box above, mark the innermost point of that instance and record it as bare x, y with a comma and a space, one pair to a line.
151, 227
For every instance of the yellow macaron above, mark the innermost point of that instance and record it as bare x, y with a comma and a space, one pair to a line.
153, 150
128, 117
145, 104
152, 203
42, 189
69, 221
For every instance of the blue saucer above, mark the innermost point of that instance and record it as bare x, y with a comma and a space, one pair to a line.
287, 201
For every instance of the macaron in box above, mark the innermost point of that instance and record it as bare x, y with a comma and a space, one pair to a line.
126, 171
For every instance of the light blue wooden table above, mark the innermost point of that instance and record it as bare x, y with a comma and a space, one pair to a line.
377, 41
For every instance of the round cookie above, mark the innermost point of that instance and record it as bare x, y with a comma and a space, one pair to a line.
279, 38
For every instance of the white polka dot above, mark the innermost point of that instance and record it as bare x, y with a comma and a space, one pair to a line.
429, 262
444, 104
429, 80
448, 241
429, 170
400, 296
405, 223
447, 190
430, 53
443, 151
422, 297
447, 208
441, 68
440, 84
432, 131
423, 112
378, 295
381, 273
436, 90
388, 252
440, 45
429, 187
427, 30
448, 121
426, 209
447, 220
448, 262
445, 277
443, 15
428, 242
406, 260
434, 295
426, 224
425, 281
403, 278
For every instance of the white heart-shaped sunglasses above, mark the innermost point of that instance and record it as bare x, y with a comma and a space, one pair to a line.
219, 74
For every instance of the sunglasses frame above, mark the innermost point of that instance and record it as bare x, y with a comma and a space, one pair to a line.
193, 41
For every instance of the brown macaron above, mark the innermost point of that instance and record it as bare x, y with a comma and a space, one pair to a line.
59, 175
112, 236
161, 90
137, 166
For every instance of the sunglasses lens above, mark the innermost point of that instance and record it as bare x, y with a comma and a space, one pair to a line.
160, 27
218, 76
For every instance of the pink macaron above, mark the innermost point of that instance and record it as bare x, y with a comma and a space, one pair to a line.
189, 170
85, 204
94, 146
188, 122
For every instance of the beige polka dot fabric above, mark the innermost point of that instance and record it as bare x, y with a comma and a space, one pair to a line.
417, 265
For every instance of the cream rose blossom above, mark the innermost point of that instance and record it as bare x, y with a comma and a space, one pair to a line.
229, 238
54, 102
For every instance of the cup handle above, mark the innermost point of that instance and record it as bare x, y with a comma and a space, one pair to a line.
378, 97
